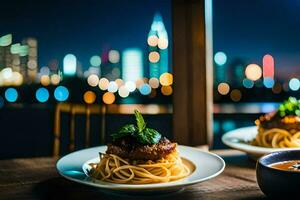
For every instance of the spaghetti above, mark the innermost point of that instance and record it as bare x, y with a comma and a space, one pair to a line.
113, 168
277, 138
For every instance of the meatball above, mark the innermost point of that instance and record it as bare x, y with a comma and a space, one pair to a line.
273, 120
129, 148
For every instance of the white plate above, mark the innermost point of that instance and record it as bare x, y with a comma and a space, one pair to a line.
207, 166
239, 139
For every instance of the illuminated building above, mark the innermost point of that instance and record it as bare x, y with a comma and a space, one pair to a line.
132, 64
5, 55
268, 71
220, 69
15, 60
95, 62
69, 65
235, 72
158, 47
31, 59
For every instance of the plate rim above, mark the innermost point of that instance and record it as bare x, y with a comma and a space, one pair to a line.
248, 148
156, 186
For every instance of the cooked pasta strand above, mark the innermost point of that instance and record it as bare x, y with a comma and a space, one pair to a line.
114, 169
277, 138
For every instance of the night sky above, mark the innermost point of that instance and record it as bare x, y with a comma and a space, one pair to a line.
251, 28
247, 29
82, 27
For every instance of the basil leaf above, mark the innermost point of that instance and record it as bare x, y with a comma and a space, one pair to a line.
149, 136
289, 107
139, 121
126, 130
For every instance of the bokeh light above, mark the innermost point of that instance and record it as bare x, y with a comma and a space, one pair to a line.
108, 98
112, 87
45, 80
294, 84
247, 83
119, 82
132, 64
152, 40
61, 93
14, 48
139, 82
162, 43
130, 85
253, 72
166, 90
103, 83
95, 61
70, 63
32, 64
268, 82
114, 56
17, 79
268, 66
235, 95
6, 73
154, 57
42, 95
93, 80
55, 79
32, 42
123, 91
145, 89
166, 79
154, 82
220, 58
11, 95
89, 97
223, 88
5, 40
45, 70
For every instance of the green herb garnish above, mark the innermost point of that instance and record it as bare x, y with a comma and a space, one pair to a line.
140, 122
139, 131
289, 107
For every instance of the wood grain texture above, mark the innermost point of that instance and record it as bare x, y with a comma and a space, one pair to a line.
37, 178
192, 105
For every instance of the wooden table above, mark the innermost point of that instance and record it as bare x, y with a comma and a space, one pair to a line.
37, 178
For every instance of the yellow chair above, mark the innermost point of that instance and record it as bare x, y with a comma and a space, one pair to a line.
74, 109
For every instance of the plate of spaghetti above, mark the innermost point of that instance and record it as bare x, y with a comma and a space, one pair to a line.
139, 158
275, 131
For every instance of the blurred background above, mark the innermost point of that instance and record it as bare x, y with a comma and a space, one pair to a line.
72, 72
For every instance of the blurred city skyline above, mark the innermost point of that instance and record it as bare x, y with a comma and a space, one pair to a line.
83, 28
250, 29
255, 46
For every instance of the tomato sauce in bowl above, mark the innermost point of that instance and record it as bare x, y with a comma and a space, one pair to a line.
290, 165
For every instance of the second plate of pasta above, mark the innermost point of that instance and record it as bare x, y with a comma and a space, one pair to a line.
242, 139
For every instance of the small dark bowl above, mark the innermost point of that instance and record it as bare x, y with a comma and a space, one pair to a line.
275, 182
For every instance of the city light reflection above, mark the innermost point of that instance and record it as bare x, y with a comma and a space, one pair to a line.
61, 93
253, 72
108, 98
89, 97
11, 95
42, 95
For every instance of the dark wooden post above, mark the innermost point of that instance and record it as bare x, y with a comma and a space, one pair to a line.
192, 58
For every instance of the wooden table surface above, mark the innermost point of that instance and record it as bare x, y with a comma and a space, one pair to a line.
37, 178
